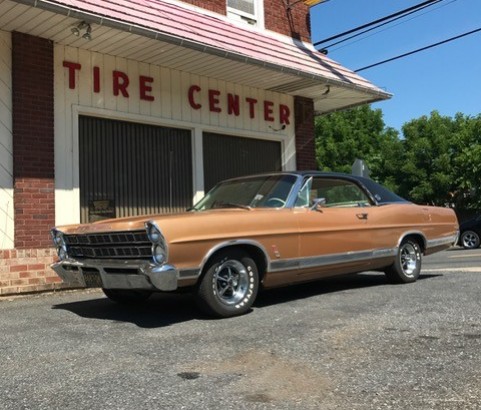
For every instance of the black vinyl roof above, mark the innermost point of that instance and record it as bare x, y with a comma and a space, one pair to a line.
380, 194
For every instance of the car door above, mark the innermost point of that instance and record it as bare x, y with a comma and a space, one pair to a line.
334, 232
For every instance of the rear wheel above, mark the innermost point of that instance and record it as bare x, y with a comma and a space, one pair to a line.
407, 266
470, 240
127, 296
229, 285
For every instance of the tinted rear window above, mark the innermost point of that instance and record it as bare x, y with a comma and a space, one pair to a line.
381, 195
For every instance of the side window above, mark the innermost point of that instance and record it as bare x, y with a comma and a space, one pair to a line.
247, 11
338, 193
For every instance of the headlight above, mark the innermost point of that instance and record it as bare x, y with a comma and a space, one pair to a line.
159, 244
57, 238
153, 232
62, 253
59, 242
159, 253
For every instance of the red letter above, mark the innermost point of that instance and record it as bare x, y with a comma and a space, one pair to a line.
71, 72
284, 114
268, 110
145, 88
233, 104
252, 102
121, 82
193, 104
214, 101
96, 79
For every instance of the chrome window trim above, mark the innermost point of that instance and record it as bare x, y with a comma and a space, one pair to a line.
304, 178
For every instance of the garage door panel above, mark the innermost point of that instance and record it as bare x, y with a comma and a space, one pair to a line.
226, 156
133, 169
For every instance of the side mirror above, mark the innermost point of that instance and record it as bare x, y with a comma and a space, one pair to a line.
318, 204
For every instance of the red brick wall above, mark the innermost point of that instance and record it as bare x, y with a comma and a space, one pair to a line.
305, 134
33, 140
217, 6
27, 270
294, 22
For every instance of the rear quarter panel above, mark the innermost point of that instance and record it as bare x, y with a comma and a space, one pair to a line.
391, 223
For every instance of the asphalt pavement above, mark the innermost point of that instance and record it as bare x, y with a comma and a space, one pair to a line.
354, 342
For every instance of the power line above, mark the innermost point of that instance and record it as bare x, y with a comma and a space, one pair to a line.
380, 25
418, 50
418, 6
387, 28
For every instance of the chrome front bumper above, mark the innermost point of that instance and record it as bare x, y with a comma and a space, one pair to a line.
114, 274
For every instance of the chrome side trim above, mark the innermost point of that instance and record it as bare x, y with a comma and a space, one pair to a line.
193, 273
447, 240
331, 259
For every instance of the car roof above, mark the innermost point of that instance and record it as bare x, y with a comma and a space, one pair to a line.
379, 193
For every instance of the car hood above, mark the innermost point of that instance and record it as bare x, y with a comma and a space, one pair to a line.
167, 221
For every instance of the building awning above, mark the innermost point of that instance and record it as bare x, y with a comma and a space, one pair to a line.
190, 39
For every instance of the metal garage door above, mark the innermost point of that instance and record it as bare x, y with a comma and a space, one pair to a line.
226, 156
132, 169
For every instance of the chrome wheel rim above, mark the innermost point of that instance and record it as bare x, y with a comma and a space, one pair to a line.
470, 240
231, 282
409, 259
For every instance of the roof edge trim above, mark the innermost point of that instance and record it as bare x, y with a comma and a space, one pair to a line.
156, 35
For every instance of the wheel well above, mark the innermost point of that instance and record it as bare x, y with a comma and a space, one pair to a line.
420, 239
253, 251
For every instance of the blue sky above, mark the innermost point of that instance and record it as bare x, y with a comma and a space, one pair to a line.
446, 78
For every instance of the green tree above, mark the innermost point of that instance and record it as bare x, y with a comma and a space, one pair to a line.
427, 175
467, 162
442, 160
343, 136
436, 161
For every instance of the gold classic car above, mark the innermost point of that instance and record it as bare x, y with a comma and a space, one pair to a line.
256, 232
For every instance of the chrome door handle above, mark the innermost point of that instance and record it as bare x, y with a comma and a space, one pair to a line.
362, 216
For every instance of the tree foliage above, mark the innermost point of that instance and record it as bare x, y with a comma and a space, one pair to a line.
437, 160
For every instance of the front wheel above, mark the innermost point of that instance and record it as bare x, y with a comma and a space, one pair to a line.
229, 285
407, 266
470, 240
127, 296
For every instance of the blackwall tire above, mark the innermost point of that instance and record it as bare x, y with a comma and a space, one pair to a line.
407, 266
229, 285
127, 296
469, 240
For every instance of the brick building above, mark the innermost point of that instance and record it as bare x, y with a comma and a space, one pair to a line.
112, 108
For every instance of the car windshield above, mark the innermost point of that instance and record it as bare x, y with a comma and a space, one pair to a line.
265, 191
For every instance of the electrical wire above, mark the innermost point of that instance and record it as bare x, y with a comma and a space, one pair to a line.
372, 23
380, 25
388, 28
418, 50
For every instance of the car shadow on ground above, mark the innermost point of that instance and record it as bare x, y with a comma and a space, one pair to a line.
160, 310
166, 309
325, 286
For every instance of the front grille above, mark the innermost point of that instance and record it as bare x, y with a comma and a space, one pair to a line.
112, 245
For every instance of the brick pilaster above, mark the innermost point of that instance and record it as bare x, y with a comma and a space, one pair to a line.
33, 140
305, 133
